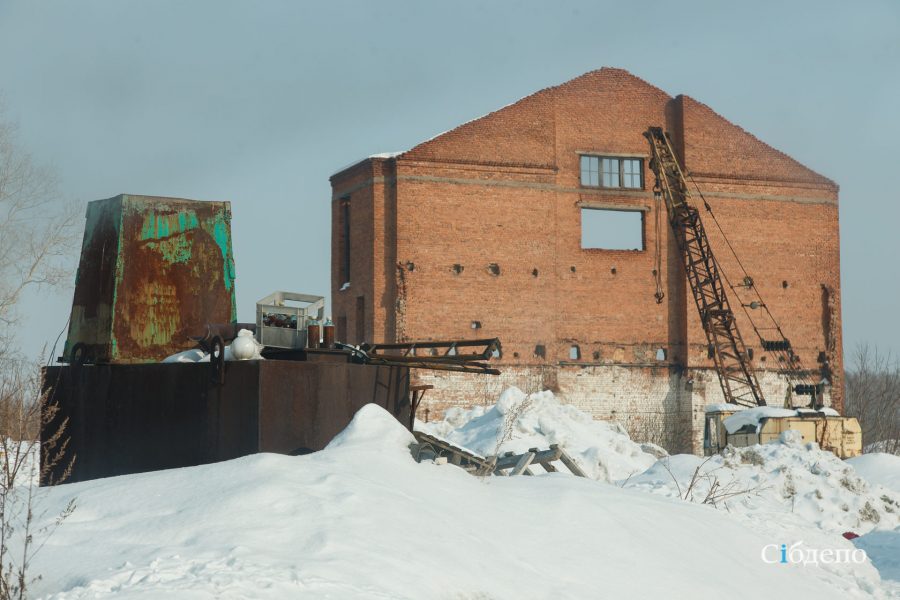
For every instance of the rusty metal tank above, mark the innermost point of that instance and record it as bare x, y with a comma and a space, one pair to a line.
153, 272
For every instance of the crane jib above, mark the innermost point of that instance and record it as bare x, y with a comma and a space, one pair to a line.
728, 351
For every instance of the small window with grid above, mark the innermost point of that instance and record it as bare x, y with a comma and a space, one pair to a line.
611, 172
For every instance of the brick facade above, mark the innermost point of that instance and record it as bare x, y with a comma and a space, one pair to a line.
427, 225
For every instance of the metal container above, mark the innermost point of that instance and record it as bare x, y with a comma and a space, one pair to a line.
282, 318
153, 272
131, 418
328, 334
313, 334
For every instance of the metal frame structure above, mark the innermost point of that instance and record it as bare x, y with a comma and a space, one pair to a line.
440, 356
736, 376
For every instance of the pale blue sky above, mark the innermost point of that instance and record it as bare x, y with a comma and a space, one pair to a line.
258, 103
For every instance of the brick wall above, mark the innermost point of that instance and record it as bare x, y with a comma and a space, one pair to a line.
482, 225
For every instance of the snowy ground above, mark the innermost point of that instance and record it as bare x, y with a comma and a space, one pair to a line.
879, 468
518, 422
361, 519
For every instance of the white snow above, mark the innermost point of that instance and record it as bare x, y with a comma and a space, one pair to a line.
362, 520
723, 407
883, 549
518, 422
880, 468
377, 155
196, 355
787, 479
753, 416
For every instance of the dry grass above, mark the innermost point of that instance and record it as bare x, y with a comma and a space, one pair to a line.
25, 461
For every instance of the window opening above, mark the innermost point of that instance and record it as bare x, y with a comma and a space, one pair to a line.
612, 229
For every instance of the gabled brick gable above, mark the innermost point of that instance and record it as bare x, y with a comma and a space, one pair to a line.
521, 134
524, 133
715, 147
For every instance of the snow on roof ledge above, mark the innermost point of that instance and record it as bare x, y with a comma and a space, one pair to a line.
723, 407
371, 156
755, 416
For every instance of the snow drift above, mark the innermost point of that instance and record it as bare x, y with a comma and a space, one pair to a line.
518, 422
786, 477
361, 519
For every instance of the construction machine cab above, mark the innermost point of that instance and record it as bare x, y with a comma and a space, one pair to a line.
832, 432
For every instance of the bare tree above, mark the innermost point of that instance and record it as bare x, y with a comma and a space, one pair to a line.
873, 397
37, 235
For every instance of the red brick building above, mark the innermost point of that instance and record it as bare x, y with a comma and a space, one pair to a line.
481, 232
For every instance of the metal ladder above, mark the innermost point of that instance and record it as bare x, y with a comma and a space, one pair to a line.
727, 349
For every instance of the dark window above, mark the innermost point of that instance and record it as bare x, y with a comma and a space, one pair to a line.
345, 240
611, 172
612, 229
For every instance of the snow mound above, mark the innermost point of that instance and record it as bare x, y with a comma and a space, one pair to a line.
786, 478
357, 522
372, 426
880, 468
518, 422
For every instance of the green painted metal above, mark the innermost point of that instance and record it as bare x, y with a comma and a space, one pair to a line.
153, 272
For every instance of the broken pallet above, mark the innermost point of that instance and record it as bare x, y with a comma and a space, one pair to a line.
429, 447
519, 463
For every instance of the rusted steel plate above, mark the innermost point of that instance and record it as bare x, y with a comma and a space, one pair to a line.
131, 418
153, 272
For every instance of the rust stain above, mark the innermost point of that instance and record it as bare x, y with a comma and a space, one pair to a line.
153, 271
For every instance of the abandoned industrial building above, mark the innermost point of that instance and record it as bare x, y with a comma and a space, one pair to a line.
511, 226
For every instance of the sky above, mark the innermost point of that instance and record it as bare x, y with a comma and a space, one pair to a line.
260, 102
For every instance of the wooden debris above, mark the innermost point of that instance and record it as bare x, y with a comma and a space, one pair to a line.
429, 447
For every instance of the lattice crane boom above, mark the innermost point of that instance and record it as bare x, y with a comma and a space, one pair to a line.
736, 376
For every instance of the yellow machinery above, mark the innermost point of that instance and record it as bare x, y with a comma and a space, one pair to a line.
727, 349
731, 426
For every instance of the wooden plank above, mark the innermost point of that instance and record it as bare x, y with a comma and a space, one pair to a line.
523, 463
509, 459
570, 464
548, 466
